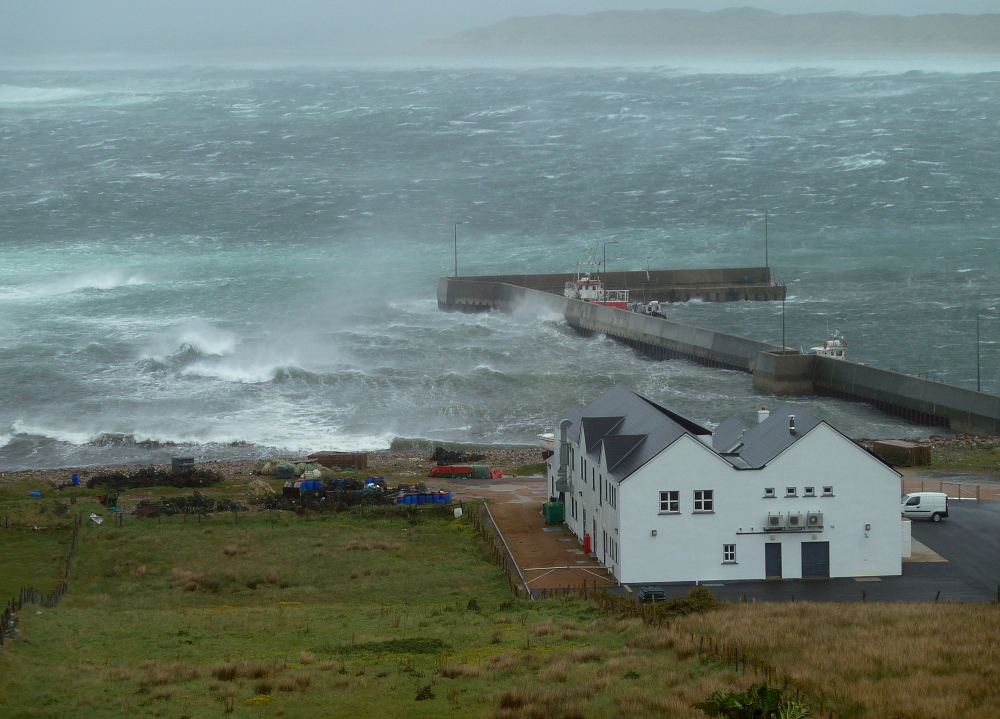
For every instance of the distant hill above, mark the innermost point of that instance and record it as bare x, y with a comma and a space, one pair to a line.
737, 29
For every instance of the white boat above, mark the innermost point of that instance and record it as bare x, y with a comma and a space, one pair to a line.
547, 441
836, 347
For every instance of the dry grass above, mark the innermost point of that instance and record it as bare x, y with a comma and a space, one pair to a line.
245, 670
544, 628
299, 682
454, 671
306, 658
514, 662
884, 660
556, 671
357, 545
329, 665
158, 674
538, 703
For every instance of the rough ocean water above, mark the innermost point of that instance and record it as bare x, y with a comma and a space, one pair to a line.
241, 262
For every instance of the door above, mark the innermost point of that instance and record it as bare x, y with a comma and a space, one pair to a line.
913, 507
815, 559
772, 560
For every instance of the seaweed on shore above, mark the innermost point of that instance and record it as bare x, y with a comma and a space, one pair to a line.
154, 477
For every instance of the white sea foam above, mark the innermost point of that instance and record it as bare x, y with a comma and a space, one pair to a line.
96, 280
61, 434
859, 162
14, 96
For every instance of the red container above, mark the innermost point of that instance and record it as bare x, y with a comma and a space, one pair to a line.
586, 544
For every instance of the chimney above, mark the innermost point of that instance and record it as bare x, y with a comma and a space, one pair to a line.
791, 424
562, 475
762, 414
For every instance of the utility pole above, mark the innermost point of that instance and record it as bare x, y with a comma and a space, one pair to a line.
979, 387
783, 325
605, 265
766, 264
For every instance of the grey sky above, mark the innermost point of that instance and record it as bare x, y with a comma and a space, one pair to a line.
331, 26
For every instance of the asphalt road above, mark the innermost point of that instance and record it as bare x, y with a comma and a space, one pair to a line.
969, 539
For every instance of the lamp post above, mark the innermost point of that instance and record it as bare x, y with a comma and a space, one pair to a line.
464, 222
783, 326
979, 387
765, 240
609, 242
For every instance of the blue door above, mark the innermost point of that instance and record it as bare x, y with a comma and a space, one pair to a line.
772, 560
815, 559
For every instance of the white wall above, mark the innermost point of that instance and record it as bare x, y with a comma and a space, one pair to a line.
689, 547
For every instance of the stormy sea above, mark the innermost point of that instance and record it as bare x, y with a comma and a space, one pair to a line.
231, 262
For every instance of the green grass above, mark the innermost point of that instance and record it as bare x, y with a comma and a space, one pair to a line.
968, 459
344, 616
31, 559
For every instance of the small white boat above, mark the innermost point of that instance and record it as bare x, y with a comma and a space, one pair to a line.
836, 347
547, 441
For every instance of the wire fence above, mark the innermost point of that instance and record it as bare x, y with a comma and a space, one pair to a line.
30, 595
495, 546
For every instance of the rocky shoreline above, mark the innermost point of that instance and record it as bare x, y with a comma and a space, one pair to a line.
380, 462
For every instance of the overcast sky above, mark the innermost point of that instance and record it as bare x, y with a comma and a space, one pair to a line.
331, 26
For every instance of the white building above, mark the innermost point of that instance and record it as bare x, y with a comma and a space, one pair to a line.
660, 498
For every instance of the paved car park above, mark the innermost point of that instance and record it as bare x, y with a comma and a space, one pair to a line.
969, 541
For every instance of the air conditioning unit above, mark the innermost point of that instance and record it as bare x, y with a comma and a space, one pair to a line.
795, 521
814, 519
775, 521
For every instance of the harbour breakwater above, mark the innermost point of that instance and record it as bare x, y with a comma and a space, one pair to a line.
775, 370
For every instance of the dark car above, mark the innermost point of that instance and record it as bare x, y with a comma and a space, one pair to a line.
650, 594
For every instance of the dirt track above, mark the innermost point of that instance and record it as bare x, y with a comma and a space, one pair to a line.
516, 505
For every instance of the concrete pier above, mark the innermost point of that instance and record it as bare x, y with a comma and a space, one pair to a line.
774, 372
738, 284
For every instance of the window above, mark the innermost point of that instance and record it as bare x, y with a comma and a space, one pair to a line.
791, 491
704, 500
769, 492
913, 501
810, 491
729, 554
827, 491
670, 502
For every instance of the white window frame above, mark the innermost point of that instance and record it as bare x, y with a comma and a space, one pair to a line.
673, 500
791, 491
809, 492
769, 493
704, 501
729, 554
828, 490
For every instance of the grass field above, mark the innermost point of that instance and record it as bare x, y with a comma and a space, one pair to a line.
375, 616
874, 660
343, 616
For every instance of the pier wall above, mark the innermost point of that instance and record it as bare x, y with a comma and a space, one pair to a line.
912, 398
708, 285
660, 338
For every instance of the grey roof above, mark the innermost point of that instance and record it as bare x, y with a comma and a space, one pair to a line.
728, 434
630, 428
597, 428
767, 440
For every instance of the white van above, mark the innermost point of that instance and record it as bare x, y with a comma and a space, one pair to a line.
925, 505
